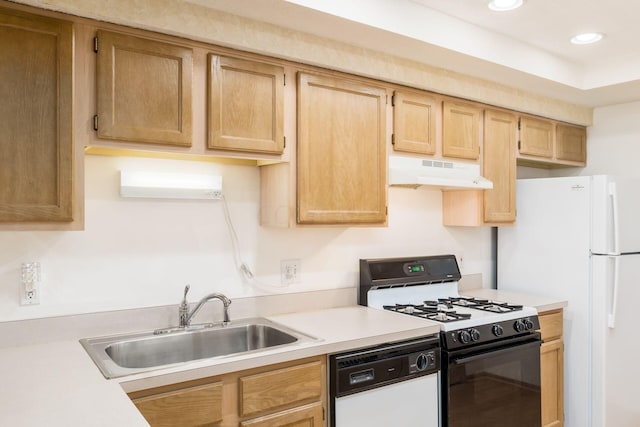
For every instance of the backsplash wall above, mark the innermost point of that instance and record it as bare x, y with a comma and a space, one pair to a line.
142, 252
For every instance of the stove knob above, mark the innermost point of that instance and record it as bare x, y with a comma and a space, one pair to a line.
497, 330
422, 362
528, 324
464, 337
519, 325
475, 334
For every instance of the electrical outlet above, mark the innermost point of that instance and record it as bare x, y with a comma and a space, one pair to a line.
30, 283
289, 271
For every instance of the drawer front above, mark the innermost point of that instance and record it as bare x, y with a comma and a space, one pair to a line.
303, 416
190, 407
551, 325
269, 391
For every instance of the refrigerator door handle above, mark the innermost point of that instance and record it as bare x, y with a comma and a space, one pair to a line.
611, 320
613, 195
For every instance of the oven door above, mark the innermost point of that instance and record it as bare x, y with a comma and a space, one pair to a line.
492, 385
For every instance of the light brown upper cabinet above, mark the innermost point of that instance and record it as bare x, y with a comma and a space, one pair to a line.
547, 143
143, 90
461, 130
536, 137
246, 105
499, 166
497, 205
414, 122
571, 143
36, 116
341, 151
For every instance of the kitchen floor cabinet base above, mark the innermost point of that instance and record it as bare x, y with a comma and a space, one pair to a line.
291, 394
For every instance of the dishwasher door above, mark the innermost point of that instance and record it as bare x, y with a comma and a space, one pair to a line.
413, 402
391, 385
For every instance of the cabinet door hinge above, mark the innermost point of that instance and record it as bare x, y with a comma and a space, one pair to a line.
386, 210
284, 79
95, 122
518, 124
518, 145
95, 44
284, 138
393, 100
393, 139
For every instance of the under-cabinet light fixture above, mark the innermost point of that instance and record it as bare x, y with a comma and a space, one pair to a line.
159, 185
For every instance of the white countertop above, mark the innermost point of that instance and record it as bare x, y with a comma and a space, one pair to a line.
57, 384
542, 304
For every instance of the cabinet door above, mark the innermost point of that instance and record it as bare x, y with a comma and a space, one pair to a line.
190, 407
460, 130
144, 90
414, 122
341, 151
536, 137
246, 105
304, 416
551, 376
571, 143
36, 104
499, 166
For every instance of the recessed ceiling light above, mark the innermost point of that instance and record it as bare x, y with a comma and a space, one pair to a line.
504, 5
587, 38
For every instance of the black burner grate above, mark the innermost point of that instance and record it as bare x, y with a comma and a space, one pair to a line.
483, 304
432, 310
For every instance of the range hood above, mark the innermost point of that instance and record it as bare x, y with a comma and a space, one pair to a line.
416, 172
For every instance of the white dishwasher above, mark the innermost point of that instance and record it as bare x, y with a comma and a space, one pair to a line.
392, 384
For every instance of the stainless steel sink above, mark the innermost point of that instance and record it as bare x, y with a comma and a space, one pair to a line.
121, 355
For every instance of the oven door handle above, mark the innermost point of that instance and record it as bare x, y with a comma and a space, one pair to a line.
493, 353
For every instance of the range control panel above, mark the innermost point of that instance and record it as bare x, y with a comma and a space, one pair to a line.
489, 332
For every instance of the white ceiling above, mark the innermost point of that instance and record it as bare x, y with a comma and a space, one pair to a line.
527, 48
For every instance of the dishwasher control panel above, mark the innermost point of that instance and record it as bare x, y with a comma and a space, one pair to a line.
379, 366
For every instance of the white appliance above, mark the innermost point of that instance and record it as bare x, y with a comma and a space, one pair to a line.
417, 172
578, 239
391, 384
489, 351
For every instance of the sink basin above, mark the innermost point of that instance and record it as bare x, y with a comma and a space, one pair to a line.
132, 353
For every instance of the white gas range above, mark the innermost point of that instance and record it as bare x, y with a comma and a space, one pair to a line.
490, 349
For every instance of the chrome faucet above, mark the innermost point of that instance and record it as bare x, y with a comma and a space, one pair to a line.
185, 315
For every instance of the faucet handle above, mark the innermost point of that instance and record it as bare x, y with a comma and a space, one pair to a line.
183, 309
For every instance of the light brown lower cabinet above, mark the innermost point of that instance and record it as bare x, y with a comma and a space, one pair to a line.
305, 416
291, 394
189, 406
552, 369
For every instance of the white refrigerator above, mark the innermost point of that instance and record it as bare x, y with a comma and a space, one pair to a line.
578, 239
